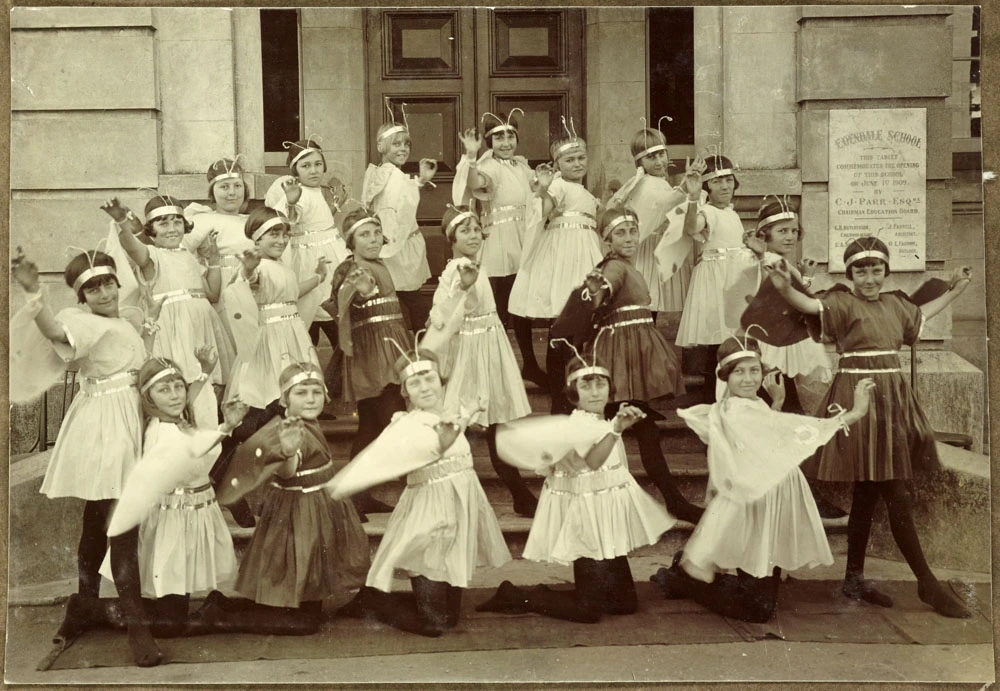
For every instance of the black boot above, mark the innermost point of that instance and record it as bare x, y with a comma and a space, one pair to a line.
399, 610
525, 503
508, 599
651, 454
431, 599
454, 606
125, 568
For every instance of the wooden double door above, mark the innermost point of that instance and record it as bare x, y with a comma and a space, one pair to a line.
450, 66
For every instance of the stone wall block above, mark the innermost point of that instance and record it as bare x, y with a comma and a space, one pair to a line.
330, 60
329, 17
761, 20
760, 72
191, 146
622, 53
32, 165
814, 215
814, 147
193, 24
939, 233
79, 17
854, 59
761, 140
608, 15
196, 80
82, 70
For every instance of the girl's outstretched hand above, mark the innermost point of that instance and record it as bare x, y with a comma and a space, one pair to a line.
468, 274
779, 274
290, 433
207, 357
233, 412
24, 271
362, 280
692, 177
542, 180
250, 259
756, 244
471, 141
428, 166
626, 416
293, 191
153, 306
115, 209
862, 396
962, 274
774, 385
447, 431
807, 267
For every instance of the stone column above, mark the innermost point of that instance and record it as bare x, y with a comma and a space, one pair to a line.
616, 92
333, 89
248, 81
197, 95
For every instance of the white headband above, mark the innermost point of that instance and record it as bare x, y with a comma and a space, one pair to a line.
305, 375
650, 150
164, 211
782, 216
876, 254
305, 151
162, 374
455, 221
738, 355
266, 226
395, 129
418, 367
587, 371
506, 127
624, 218
574, 143
224, 176
357, 224
718, 174
90, 273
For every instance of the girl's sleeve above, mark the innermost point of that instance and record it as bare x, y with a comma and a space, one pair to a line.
912, 319
275, 197
558, 190
203, 225
696, 417
835, 314
35, 363
489, 170
615, 272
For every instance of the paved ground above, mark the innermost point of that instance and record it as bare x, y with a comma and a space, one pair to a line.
760, 661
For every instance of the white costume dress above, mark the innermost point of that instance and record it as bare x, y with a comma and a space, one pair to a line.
232, 242
314, 236
760, 513
101, 435
594, 514
394, 196
478, 362
561, 256
725, 275
184, 543
443, 526
649, 196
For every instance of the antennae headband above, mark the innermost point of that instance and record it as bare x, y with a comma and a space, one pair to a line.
587, 371
162, 374
169, 210
866, 254
738, 355
266, 226
90, 273
774, 218
651, 150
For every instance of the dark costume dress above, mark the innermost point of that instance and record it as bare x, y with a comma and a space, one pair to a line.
643, 365
307, 546
895, 439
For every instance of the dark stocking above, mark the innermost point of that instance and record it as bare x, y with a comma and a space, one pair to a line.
221, 614
454, 606
169, 615
400, 610
741, 597
859, 527
374, 415
431, 599
525, 502
521, 326
898, 507
93, 546
416, 308
651, 453
556, 358
328, 327
125, 568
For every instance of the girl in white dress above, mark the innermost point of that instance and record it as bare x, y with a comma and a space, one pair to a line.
501, 182
187, 287
592, 513
101, 435
761, 516
661, 209
564, 252
394, 196
479, 361
300, 197
222, 220
726, 271
443, 526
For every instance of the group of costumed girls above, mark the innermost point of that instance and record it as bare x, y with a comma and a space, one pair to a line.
221, 330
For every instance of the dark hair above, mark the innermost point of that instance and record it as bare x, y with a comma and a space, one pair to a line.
160, 201
504, 117
449, 215
297, 148
731, 346
714, 163
772, 209
80, 263
353, 217
260, 216
645, 138
221, 167
402, 361
573, 395
612, 213
864, 263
